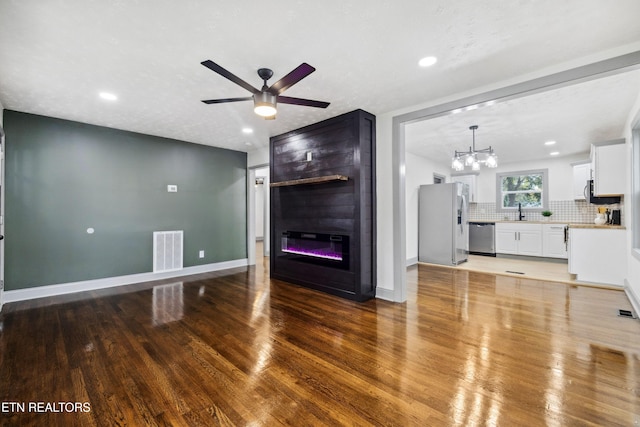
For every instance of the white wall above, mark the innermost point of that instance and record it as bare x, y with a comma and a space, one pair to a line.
419, 172
258, 157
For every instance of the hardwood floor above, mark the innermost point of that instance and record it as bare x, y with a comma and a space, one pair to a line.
235, 348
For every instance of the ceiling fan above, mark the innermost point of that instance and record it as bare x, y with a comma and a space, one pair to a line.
265, 99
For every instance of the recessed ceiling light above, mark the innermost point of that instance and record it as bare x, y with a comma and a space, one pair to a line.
108, 96
247, 130
489, 103
248, 144
427, 61
456, 111
549, 143
471, 107
554, 153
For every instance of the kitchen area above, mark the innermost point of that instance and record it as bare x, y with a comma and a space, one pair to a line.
581, 240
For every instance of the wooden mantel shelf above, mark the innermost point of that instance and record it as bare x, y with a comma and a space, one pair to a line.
314, 180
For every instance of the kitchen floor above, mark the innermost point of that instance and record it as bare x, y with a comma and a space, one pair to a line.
516, 266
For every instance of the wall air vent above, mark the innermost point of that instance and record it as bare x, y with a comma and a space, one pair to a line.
167, 251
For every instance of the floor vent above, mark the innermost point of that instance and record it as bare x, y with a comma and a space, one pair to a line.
167, 251
626, 313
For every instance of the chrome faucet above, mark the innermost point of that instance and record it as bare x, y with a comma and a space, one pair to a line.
520, 214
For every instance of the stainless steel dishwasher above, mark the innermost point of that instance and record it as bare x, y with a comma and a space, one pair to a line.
482, 238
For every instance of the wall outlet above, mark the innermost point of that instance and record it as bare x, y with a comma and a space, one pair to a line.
309, 156
201, 254
172, 188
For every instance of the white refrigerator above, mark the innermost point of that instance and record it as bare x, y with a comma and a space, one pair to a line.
443, 229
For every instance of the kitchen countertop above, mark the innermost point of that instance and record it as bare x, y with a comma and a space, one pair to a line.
570, 224
611, 227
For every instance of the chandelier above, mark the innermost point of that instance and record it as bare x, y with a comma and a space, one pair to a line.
474, 157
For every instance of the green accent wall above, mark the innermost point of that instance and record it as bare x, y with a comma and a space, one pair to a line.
63, 177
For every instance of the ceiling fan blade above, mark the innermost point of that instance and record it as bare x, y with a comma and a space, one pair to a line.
299, 73
220, 101
301, 101
228, 75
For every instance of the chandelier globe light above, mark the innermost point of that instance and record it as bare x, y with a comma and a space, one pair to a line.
474, 158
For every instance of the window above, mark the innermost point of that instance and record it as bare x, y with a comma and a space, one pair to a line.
528, 189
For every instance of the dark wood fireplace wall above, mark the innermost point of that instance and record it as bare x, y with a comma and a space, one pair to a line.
323, 182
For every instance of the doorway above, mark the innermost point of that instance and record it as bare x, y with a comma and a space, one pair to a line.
258, 196
583, 73
261, 219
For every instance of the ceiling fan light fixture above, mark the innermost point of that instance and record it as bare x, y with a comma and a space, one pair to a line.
264, 104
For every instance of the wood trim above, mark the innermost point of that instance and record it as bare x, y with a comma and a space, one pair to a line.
314, 180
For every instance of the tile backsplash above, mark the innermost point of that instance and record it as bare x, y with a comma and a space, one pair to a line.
573, 211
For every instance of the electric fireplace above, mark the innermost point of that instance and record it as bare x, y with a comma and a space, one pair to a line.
316, 248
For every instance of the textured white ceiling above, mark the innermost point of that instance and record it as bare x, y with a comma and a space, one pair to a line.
56, 55
574, 116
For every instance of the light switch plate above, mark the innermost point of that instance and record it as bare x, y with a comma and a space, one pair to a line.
172, 188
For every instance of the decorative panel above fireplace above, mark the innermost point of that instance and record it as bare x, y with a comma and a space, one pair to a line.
323, 206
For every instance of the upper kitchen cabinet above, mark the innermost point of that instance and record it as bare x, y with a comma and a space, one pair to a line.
607, 162
471, 181
581, 174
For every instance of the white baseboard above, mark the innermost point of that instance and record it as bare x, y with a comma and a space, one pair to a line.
412, 261
109, 282
633, 298
385, 294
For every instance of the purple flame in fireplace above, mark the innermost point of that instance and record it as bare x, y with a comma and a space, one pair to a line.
326, 253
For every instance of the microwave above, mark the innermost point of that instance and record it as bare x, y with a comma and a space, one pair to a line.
588, 195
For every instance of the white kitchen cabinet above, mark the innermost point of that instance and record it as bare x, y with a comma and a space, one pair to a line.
598, 255
608, 160
506, 239
471, 181
518, 239
581, 174
553, 241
